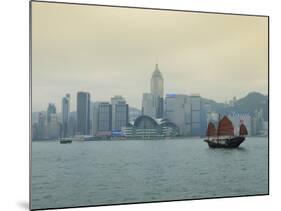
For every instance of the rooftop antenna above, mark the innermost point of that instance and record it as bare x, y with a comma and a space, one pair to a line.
156, 66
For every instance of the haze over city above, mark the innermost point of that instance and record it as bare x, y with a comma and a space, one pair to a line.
113, 51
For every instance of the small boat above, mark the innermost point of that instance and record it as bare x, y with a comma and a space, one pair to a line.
65, 141
224, 137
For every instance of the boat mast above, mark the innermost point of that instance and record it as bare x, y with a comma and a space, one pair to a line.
218, 127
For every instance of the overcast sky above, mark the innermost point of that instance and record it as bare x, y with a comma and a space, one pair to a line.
113, 51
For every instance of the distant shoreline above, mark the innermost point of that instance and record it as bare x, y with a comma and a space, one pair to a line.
137, 139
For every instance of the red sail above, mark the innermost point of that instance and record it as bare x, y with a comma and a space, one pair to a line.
211, 131
225, 127
243, 130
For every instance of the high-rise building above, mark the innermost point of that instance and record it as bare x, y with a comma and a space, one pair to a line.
195, 101
157, 83
148, 105
34, 131
153, 102
65, 114
206, 109
83, 113
120, 113
159, 107
72, 123
178, 111
102, 119
105, 117
91, 117
157, 90
257, 122
50, 110
95, 118
54, 127
41, 130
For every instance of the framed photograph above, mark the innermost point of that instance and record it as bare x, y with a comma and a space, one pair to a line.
136, 105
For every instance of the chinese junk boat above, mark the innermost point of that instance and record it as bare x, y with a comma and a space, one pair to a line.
224, 136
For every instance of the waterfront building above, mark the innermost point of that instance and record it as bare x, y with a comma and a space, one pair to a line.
50, 110
178, 111
120, 113
41, 126
264, 130
146, 127
34, 131
54, 127
195, 101
95, 118
65, 114
83, 113
257, 122
102, 126
205, 110
91, 117
128, 131
72, 124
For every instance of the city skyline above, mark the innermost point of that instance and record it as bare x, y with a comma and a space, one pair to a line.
118, 57
59, 110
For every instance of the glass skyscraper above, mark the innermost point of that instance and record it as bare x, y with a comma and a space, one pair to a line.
50, 110
120, 113
65, 114
83, 113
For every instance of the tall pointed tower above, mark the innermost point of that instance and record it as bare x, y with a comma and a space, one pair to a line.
157, 90
157, 83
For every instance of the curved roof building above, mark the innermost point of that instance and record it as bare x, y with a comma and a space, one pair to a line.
145, 122
146, 127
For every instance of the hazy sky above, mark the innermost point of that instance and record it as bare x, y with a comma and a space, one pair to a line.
113, 51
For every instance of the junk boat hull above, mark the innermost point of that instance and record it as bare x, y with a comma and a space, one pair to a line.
233, 142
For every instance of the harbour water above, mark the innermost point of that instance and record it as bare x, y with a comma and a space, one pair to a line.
113, 172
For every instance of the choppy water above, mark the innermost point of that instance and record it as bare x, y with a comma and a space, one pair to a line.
110, 172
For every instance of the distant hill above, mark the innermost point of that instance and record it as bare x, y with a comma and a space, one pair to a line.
252, 101
248, 104
215, 106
